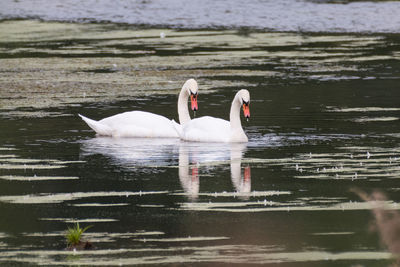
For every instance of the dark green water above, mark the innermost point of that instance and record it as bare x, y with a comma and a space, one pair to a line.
324, 125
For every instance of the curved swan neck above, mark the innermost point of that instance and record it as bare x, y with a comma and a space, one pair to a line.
183, 110
234, 116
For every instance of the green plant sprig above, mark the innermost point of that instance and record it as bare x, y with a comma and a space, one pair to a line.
74, 234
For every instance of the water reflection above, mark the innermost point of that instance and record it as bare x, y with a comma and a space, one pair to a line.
241, 183
194, 156
191, 158
133, 152
188, 175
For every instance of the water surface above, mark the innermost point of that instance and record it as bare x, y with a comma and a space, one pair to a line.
283, 15
323, 136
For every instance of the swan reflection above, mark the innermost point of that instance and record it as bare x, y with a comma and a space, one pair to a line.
132, 152
188, 175
191, 158
196, 156
241, 183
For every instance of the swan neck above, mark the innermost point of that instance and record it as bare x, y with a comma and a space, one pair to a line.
183, 111
235, 114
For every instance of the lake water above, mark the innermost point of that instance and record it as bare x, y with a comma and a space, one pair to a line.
283, 15
316, 185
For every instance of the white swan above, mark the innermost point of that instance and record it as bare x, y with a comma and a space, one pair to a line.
146, 124
210, 129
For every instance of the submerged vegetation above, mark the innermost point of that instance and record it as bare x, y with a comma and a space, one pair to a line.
74, 236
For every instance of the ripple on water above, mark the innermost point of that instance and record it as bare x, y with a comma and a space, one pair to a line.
74, 220
13, 162
231, 254
30, 166
7, 149
375, 119
36, 178
361, 109
334, 233
356, 163
288, 206
100, 204
234, 194
257, 140
62, 197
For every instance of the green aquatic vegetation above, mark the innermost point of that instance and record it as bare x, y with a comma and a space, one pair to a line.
74, 235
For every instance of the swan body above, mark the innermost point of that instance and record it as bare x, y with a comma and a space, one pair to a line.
211, 129
146, 124
133, 124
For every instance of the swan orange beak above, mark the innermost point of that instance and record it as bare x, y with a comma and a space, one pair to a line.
246, 110
193, 102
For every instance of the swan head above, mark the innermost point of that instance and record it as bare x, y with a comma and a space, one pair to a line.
244, 98
192, 89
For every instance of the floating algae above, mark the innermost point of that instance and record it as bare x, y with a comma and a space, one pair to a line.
62, 197
36, 178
